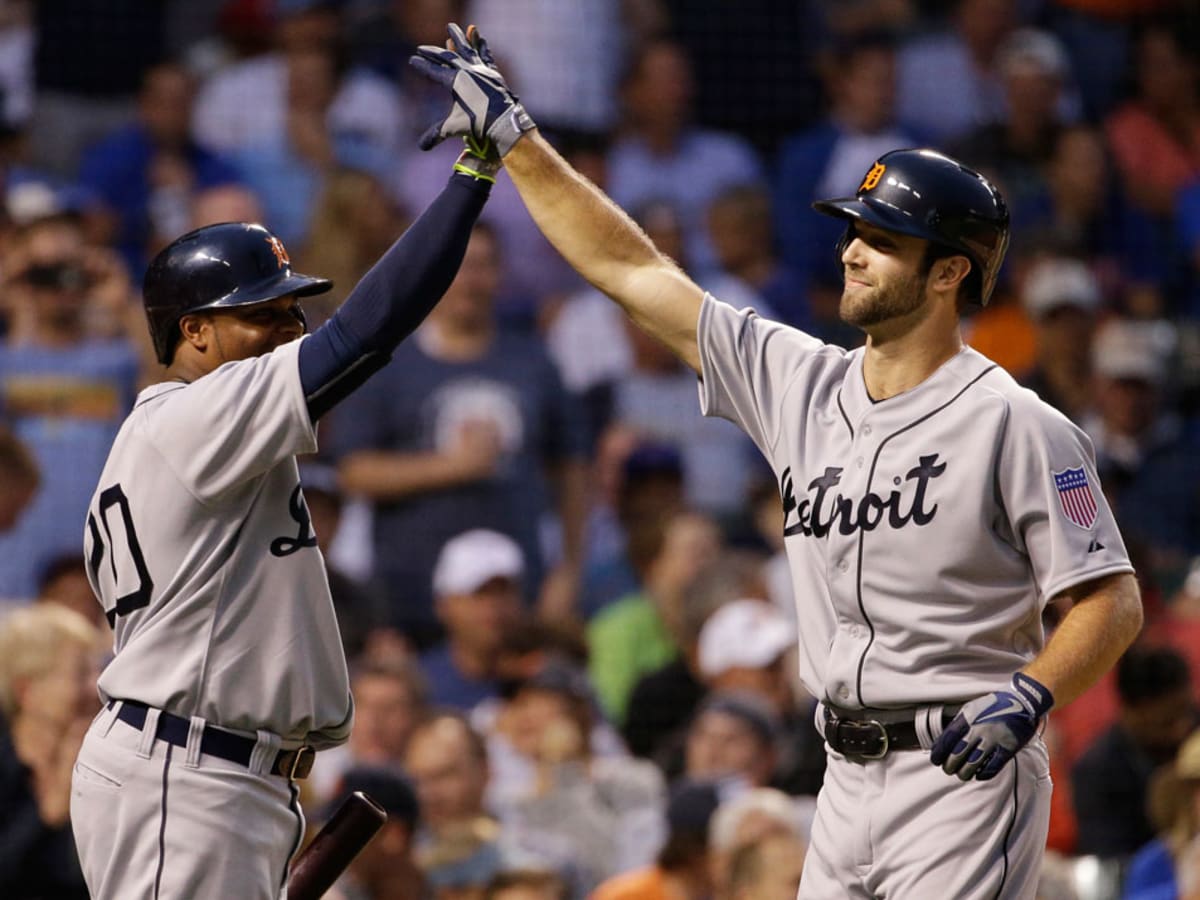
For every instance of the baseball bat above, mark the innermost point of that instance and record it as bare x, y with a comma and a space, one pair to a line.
321, 863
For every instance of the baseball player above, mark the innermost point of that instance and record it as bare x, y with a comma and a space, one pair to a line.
228, 671
933, 507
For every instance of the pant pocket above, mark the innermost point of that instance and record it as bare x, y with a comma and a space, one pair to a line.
93, 776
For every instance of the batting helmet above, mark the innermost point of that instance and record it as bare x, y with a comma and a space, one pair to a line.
931, 196
216, 267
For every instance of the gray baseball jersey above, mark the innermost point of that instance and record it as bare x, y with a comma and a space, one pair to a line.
924, 534
200, 549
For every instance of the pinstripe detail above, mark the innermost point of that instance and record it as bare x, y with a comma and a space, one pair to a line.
1012, 822
162, 823
862, 534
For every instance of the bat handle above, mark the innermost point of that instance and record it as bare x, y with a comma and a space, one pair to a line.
324, 860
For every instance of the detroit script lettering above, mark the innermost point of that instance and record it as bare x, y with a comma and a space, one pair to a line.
818, 513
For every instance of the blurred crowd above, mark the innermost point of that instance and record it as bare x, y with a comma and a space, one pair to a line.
562, 591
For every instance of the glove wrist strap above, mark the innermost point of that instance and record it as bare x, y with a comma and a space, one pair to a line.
1034, 693
509, 128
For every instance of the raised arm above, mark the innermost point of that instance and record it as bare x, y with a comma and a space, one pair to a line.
606, 247
591, 232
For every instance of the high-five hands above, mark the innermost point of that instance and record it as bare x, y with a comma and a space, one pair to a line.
484, 108
989, 730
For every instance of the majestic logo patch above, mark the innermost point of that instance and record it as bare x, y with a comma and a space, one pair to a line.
281, 254
872, 178
1075, 496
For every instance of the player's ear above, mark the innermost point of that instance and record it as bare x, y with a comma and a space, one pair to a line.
949, 272
196, 330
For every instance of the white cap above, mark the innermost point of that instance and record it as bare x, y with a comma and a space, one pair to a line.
470, 560
1134, 349
743, 634
1057, 281
1033, 49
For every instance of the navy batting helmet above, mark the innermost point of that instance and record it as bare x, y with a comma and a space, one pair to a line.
216, 267
931, 196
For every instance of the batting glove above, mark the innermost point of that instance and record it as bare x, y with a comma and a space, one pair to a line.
484, 107
989, 730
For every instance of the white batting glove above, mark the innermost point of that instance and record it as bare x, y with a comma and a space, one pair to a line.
989, 730
483, 105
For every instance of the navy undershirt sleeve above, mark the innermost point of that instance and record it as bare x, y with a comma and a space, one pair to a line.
392, 299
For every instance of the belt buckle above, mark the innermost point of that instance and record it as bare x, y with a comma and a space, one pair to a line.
883, 750
302, 763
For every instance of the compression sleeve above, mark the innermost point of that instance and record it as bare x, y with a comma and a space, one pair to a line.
392, 299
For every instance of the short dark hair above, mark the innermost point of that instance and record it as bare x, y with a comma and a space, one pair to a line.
1149, 672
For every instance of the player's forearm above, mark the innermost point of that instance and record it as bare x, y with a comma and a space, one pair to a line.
606, 247
1090, 639
394, 476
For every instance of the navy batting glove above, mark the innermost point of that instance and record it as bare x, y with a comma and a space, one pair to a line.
482, 106
989, 730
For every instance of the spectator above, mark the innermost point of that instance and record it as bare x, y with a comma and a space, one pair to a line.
1062, 299
466, 424
64, 582
734, 736
637, 483
664, 701
477, 596
385, 869
526, 884
1084, 211
225, 203
247, 104
19, 479
1155, 134
947, 78
749, 818
1145, 458
769, 869
1014, 148
460, 846
1157, 710
1174, 804
143, 175
662, 156
390, 699
827, 159
603, 812
353, 223
682, 870
739, 226
743, 648
48, 667
643, 631
64, 392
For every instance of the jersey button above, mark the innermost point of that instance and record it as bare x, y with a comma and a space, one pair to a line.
843, 566
859, 462
866, 429
843, 693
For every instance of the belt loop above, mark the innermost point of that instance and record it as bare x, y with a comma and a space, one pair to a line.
149, 733
928, 722
108, 715
195, 738
819, 717
262, 758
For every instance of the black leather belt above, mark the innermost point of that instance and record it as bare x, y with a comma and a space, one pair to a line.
291, 764
873, 734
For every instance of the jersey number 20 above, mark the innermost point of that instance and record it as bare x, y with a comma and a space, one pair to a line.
140, 595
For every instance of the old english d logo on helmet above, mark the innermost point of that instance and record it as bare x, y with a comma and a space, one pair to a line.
280, 251
872, 177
